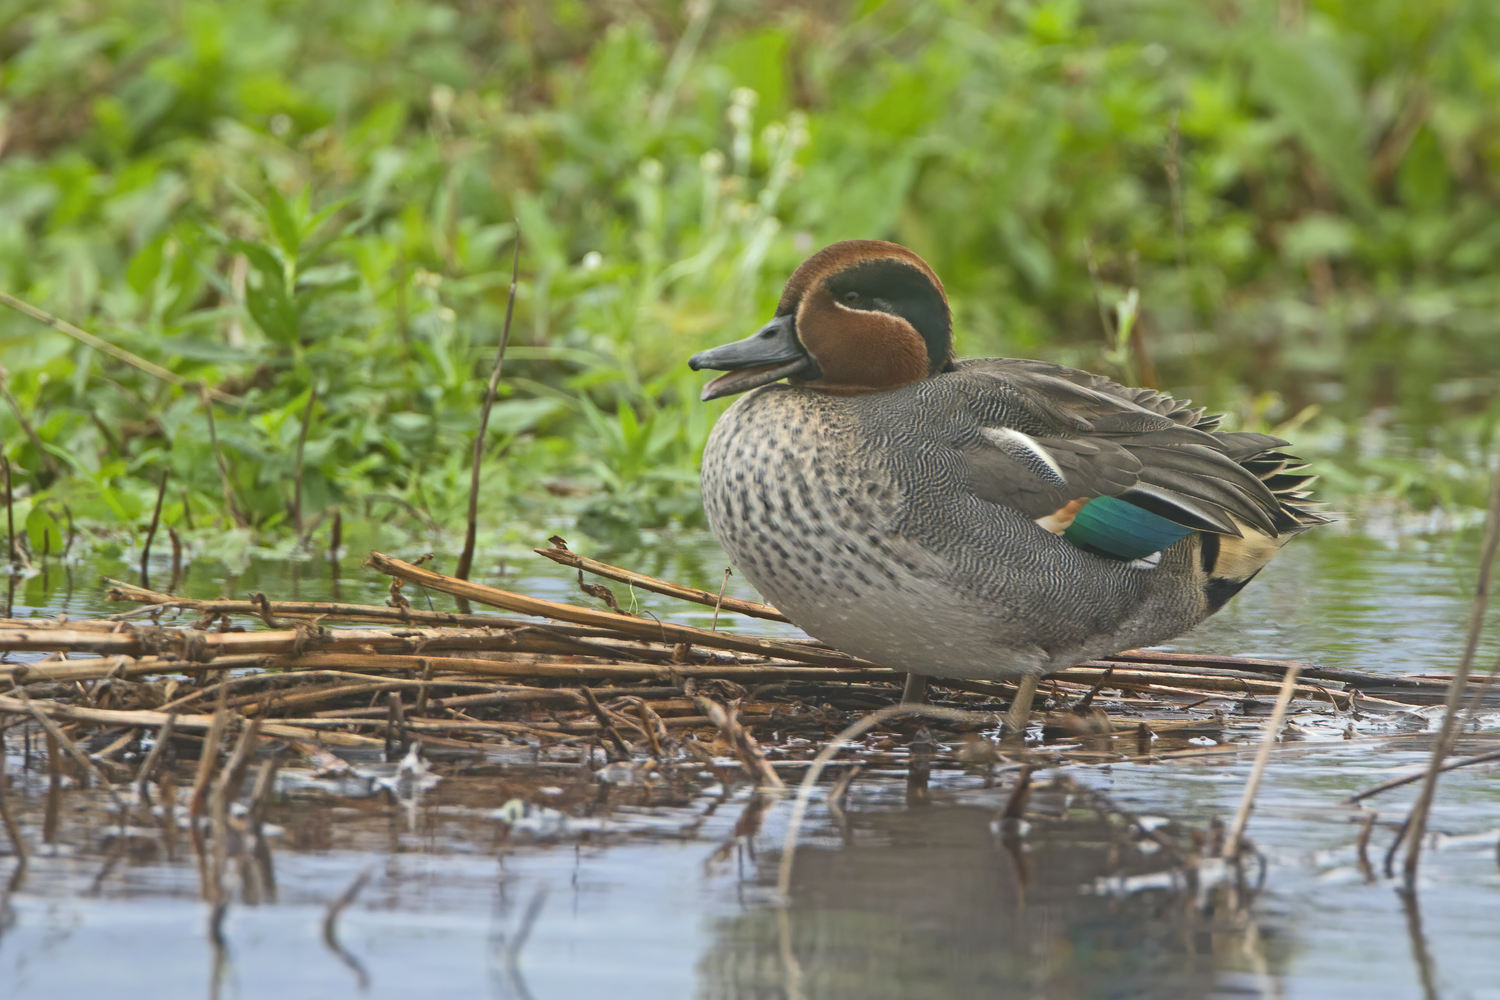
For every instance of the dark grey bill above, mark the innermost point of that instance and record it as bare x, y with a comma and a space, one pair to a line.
772, 352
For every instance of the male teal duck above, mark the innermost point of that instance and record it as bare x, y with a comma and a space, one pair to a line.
988, 518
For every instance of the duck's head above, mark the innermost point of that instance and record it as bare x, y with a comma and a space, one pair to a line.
859, 316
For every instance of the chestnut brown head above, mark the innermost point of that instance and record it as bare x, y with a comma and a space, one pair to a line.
858, 316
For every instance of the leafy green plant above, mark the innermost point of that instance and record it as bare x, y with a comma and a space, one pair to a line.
1283, 211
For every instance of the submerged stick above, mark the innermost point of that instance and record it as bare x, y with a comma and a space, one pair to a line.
471, 531
559, 553
1416, 825
1258, 770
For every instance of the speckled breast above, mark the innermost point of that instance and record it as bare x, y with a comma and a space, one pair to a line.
861, 534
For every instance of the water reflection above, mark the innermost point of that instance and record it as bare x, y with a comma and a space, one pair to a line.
953, 901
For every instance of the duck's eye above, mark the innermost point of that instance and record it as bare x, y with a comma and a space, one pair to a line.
852, 298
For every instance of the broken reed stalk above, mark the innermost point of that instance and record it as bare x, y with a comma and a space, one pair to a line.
471, 530
1416, 823
636, 628
307, 412
559, 553
161, 493
213, 440
1258, 770
99, 344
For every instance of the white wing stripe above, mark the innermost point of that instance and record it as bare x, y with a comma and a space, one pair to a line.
1025, 449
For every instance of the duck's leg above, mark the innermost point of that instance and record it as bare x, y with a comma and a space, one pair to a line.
915, 692
1020, 706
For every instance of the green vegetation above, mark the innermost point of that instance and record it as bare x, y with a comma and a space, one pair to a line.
1285, 210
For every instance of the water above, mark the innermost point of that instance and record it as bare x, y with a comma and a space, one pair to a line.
647, 892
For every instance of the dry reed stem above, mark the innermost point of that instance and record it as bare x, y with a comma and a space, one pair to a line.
1258, 770
213, 440
12, 553
153, 720
312, 397
161, 493
559, 554
651, 631
1416, 825
471, 528
99, 344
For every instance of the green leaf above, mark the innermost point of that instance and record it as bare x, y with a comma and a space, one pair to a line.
288, 233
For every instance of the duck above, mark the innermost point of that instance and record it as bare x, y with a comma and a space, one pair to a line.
982, 518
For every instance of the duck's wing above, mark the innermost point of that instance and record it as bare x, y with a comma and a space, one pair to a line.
1038, 437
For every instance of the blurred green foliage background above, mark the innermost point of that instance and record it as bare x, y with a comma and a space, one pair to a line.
310, 208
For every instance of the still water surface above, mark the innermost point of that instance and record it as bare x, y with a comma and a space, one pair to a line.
633, 892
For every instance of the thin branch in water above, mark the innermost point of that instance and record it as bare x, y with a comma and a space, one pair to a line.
1416, 825
161, 493
1407, 779
466, 559
1262, 757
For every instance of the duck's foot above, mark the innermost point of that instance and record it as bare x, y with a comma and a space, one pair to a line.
1020, 707
915, 692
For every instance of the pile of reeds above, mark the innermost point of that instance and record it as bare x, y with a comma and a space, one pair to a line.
566, 676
